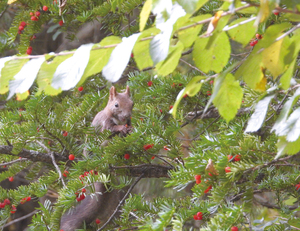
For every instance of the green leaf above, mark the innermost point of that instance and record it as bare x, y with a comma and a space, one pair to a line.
170, 63
285, 147
229, 98
259, 114
141, 49
144, 15
285, 79
242, 33
191, 89
45, 75
10, 69
192, 5
99, 57
188, 36
213, 55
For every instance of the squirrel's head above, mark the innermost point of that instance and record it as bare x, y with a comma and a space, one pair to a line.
120, 105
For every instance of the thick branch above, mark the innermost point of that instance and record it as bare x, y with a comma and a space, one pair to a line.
34, 156
148, 170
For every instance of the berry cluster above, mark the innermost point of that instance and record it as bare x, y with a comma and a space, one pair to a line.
198, 216
66, 173
7, 202
208, 189
198, 179
25, 199
80, 196
253, 42
236, 158
297, 186
92, 172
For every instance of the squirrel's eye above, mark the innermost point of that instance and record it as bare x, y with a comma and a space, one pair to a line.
116, 105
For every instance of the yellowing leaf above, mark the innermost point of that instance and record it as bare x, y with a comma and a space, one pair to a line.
211, 168
214, 22
11, 1
144, 15
22, 96
264, 12
273, 57
261, 86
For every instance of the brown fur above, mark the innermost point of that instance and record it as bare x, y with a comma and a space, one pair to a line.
116, 117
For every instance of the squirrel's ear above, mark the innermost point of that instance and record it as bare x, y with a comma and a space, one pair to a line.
112, 93
127, 90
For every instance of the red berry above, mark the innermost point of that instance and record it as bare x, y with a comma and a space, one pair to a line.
150, 83
31, 13
210, 174
211, 82
199, 214
6, 202
29, 51
65, 133
258, 36
237, 158
98, 221
208, 93
229, 157
82, 196
33, 37
33, 18
11, 179
2, 205
23, 24
83, 190
227, 169
19, 32
45, 8
37, 14
127, 156
276, 12
195, 217
71, 157
185, 96
21, 28
252, 43
234, 228
28, 198
171, 107
61, 22
65, 175
148, 146
198, 177
80, 88
160, 110
153, 157
131, 55
86, 173
255, 42
166, 148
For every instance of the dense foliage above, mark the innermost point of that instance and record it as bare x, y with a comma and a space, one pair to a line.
216, 116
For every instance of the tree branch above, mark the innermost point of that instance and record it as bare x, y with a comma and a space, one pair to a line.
121, 202
34, 156
19, 219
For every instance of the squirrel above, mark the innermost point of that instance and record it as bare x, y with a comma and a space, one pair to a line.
116, 117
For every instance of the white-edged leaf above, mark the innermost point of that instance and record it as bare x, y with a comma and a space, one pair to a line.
119, 58
291, 128
70, 71
259, 114
159, 45
285, 112
162, 9
25, 77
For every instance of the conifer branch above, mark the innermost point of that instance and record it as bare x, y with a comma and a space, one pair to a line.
121, 202
149, 170
19, 219
53, 161
32, 155
13, 161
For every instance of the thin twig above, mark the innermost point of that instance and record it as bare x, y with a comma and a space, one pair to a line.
288, 32
227, 28
121, 202
53, 161
19, 219
193, 67
278, 107
13, 161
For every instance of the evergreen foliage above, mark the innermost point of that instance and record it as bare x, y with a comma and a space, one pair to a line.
194, 123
